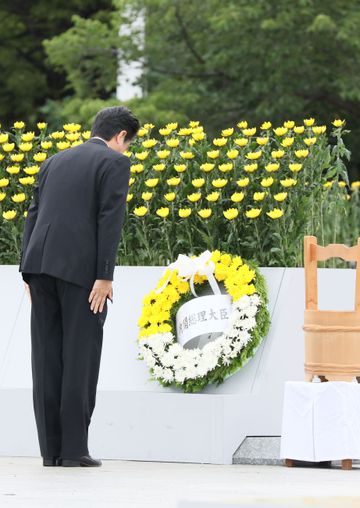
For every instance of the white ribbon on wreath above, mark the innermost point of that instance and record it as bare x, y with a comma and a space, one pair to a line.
187, 269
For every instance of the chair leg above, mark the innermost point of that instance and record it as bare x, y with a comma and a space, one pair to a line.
289, 462
346, 464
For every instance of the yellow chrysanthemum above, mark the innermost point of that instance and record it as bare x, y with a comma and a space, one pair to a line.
163, 212
41, 125
319, 129
220, 141
19, 125
262, 141
243, 182
280, 196
295, 167
301, 153
170, 196
2, 196
241, 141
259, 196
249, 132
8, 147
198, 182
142, 132
286, 142
27, 180
63, 145
151, 182
136, 168
265, 126
231, 213
18, 198
288, 182
141, 156
205, 213
227, 132
198, 136
27, 136
213, 154
149, 143
4, 182
173, 142
207, 166
175, 180
185, 131
180, 168
219, 182
253, 213
9, 214
309, 122
72, 136
272, 166
232, 154
159, 167
250, 168
193, 197
31, 170
237, 197
299, 129
254, 155
146, 196
45, 145
163, 154
224, 168
338, 122
25, 147
13, 170
243, 124
184, 212
57, 134
129, 197
4, 138
280, 131
17, 157
289, 124
213, 196
309, 141
277, 154
267, 182
276, 213
356, 184
140, 211
72, 127
187, 155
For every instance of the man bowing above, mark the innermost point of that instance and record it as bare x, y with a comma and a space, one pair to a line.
69, 246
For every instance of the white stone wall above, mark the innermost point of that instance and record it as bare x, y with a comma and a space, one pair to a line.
135, 419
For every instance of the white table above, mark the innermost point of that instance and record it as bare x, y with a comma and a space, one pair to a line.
321, 422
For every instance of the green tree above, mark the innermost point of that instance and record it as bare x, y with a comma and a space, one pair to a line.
222, 61
27, 80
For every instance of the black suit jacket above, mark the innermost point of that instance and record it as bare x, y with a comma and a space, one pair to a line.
73, 227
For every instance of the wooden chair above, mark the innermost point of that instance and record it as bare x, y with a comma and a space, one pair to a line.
332, 338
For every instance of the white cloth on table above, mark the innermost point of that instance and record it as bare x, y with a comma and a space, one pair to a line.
321, 421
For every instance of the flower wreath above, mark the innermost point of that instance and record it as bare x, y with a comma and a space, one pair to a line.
192, 369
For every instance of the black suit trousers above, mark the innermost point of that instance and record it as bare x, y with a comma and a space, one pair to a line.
66, 344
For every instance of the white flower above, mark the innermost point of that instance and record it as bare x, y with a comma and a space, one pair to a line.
167, 359
168, 375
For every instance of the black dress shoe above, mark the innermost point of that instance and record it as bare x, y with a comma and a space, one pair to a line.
85, 461
52, 461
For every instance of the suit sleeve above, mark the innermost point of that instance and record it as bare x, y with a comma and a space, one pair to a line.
113, 190
31, 215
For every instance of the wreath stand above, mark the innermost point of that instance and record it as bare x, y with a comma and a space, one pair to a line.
332, 352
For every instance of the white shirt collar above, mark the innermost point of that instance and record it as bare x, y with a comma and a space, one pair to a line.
98, 137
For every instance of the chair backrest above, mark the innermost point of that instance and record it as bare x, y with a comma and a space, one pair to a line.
314, 253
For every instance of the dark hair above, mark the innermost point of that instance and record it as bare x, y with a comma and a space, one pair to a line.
110, 121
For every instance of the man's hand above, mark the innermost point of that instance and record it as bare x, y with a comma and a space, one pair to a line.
28, 290
100, 291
